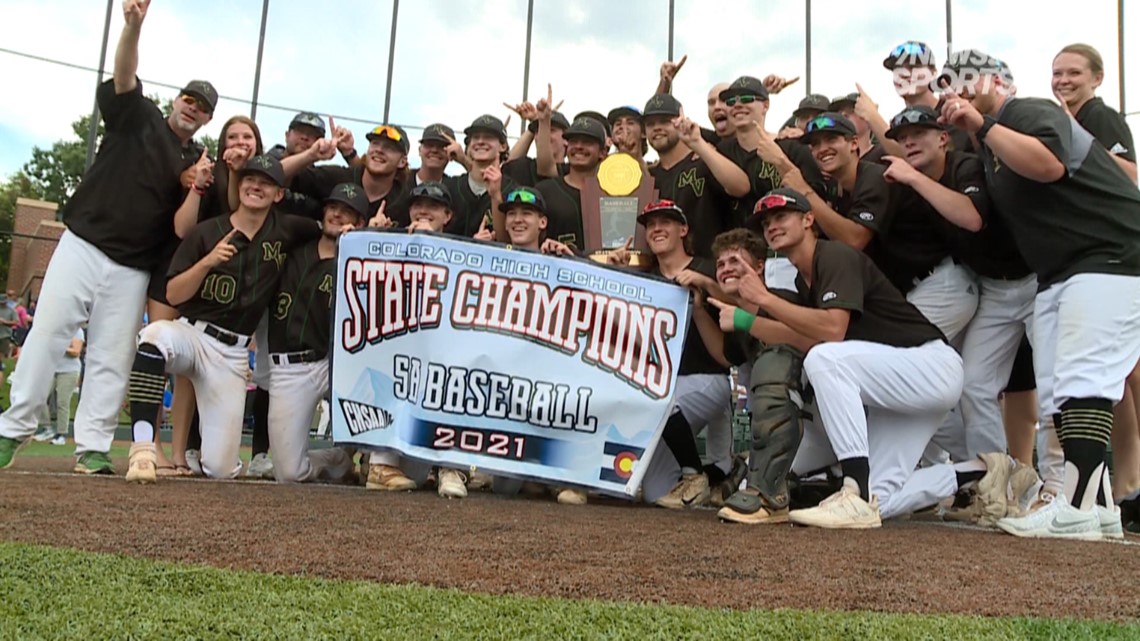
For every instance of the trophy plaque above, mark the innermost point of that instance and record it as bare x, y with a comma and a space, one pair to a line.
611, 203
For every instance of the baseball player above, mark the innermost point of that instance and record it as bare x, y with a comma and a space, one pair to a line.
586, 141
1075, 216
222, 279
118, 221
913, 67
550, 157
472, 200
437, 149
299, 342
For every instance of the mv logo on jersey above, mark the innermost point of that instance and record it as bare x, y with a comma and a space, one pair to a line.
362, 418
689, 179
272, 252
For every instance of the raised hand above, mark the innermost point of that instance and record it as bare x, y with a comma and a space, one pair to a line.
223, 251
865, 108
750, 285
545, 109
688, 131
134, 11
236, 157
484, 233
380, 219
670, 69
899, 170
493, 178
454, 149
621, 256
775, 84
960, 113
203, 171
323, 148
342, 137
525, 110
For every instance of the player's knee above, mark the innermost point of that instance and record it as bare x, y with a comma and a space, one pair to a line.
154, 333
821, 357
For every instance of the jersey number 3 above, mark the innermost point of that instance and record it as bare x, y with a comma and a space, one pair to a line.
284, 302
220, 288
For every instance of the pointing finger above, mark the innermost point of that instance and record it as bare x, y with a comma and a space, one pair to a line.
628, 243
558, 106
680, 63
507, 122
549, 94
228, 237
718, 304
791, 82
332, 123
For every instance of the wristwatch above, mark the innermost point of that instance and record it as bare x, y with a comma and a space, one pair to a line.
987, 123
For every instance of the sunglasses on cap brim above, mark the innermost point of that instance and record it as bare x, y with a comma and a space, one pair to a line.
744, 99
391, 133
197, 102
773, 202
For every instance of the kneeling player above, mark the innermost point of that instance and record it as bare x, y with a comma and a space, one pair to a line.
222, 278
298, 346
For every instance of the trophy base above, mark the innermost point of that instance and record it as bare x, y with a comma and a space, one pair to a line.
636, 259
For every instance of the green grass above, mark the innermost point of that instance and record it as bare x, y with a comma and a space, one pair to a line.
53, 593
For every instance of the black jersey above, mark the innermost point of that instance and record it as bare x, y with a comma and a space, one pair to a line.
299, 319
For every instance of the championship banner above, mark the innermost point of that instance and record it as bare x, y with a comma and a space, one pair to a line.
465, 354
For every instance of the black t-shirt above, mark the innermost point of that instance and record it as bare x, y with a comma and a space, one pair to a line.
524, 171
126, 201
710, 136
763, 177
869, 201
695, 357
313, 184
875, 154
845, 278
300, 317
235, 294
468, 210
1088, 221
563, 212
691, 185
1108, 127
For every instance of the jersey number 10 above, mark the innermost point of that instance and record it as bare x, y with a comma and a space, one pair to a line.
220, 288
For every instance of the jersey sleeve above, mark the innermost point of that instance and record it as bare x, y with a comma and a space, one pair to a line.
970, 180
190, 250
318, 182
122, 111
1044, 121
1111, 130
871, 201
838, 279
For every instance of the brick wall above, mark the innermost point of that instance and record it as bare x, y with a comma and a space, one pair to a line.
36, 235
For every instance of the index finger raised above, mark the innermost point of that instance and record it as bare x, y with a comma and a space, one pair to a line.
681, 62
718, 304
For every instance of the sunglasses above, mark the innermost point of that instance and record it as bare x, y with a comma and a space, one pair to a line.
911, 118
744, 100
661, 204
520, 196
909, 49
821, 122
391, 133
428, 190
198, 103
775, 201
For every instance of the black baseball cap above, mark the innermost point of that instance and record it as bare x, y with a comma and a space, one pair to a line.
352, 195
526, 197
432, 190
745, 86
619, 112
662, 104
586, 127
309, 119
971, 62
916, 116
438, 132
594, 115
666, 208
557, 121
828, 122
204, 91
911, 53
487, 123
395, 133
812, 102
839, 102
267, 166
777, 200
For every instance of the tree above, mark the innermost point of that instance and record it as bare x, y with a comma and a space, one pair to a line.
54, 174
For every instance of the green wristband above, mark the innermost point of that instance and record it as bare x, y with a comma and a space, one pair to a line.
742, 320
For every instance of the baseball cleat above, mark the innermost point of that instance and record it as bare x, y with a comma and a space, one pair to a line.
844, 510
94, 463
388, 477
260, 467
569, 496
1110, 525
1054, 518
741, 510
993, 488
9, 447
452, 484
691, 491
141, 464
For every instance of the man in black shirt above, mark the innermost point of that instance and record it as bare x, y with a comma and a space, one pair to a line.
222, 279
913, 66
811, 106
586, 139
305, 130
473, 200
1075, 216
119, 221
627, 127
845, 105
692, 173
868, 347
299, 342
437, 149
549, 160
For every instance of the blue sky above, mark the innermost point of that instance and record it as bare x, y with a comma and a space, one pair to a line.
457, 59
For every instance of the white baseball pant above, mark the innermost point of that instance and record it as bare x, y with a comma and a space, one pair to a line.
81, 284
295, 389
705, 400
218, 372
884, 403
1005, 314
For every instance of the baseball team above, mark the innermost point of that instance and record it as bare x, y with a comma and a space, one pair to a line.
932, 313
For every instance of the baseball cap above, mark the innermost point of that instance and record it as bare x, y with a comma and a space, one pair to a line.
395, 133
662, 104
745, 86
557, 121
438, 132
666, 208
775, 201
594, 115
916, 116
524, 196
432, 190
352, 195
971, 63
267, 166
839, 102
619, 112
828, 122
309, 119
203, 91
911, 53
487, 123
812, 102
586, 127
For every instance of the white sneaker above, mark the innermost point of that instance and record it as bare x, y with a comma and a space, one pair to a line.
1110, 525
194, 461
844, 510
1054, 518
43, 436
260, 467
59, 439
452, 485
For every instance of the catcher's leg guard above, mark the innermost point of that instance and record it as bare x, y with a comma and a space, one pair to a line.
775, 400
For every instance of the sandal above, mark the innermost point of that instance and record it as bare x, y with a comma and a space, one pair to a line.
166, 470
